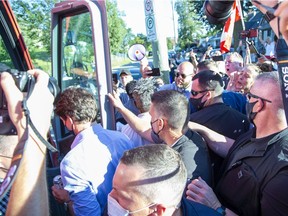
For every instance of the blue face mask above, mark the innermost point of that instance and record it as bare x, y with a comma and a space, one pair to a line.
115, 209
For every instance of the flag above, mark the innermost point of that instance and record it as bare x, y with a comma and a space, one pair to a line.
227, 34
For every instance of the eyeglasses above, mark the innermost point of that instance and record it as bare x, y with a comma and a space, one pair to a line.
182, 75
151, 123
195, 93
250, 95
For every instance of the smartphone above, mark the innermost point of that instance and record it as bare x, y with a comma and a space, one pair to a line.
115, 77
154, 72
218, 58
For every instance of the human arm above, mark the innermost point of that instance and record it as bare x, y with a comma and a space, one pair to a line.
282, 12
218, 143
62, 196
274, 23
193, 59
139, 125
88, 185
207, 53
199, 191
29, 191
232, 84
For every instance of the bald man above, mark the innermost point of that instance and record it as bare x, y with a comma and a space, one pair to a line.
183, 79
256, 166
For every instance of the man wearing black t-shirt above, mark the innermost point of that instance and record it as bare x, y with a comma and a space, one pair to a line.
254, 181
206, 98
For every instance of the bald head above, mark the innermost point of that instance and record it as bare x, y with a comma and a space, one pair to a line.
184, 73
186, 67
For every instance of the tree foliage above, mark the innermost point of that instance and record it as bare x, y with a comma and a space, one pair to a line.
191, 27
34, 18
116, 27
193, 21
141, 39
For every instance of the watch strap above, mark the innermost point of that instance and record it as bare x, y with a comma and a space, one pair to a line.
269, 16
221, 210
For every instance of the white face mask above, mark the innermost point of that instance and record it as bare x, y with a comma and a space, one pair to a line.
115, 209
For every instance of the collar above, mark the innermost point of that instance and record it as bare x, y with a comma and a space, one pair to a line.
180, 140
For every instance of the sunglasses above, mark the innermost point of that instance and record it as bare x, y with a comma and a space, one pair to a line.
182, 75
195, 93
250, 95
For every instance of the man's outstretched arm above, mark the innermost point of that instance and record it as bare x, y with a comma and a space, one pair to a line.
217, 142
142, 127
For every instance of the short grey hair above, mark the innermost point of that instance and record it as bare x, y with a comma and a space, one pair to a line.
164, 178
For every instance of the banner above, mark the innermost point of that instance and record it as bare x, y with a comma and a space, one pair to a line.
227, 34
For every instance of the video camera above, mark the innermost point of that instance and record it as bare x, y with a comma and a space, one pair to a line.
218, 12
25, 83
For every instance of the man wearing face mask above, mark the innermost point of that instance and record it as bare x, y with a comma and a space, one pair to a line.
206, 98
256, 164
87, 169
150, 180
169, 112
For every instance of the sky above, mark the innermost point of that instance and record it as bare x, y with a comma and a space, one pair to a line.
135, 15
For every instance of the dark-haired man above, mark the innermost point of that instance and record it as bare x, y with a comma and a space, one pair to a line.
88, 168
206, 98
142, 93
125, 77
169, 112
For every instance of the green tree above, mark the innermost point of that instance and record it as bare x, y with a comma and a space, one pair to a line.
170, 43
190, 25
116, 27
192, 16
141, 39
34, 17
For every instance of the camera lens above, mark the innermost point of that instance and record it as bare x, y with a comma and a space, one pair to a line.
218, 12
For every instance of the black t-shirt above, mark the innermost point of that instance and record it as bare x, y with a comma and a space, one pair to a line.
195, 157
255, 176
225, 120
222, 119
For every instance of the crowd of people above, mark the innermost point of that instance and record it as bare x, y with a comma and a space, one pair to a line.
212, 142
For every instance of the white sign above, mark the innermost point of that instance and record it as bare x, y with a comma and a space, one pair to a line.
150, 28
148, 4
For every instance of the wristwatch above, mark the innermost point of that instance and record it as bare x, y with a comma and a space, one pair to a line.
268, 16
221, 210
